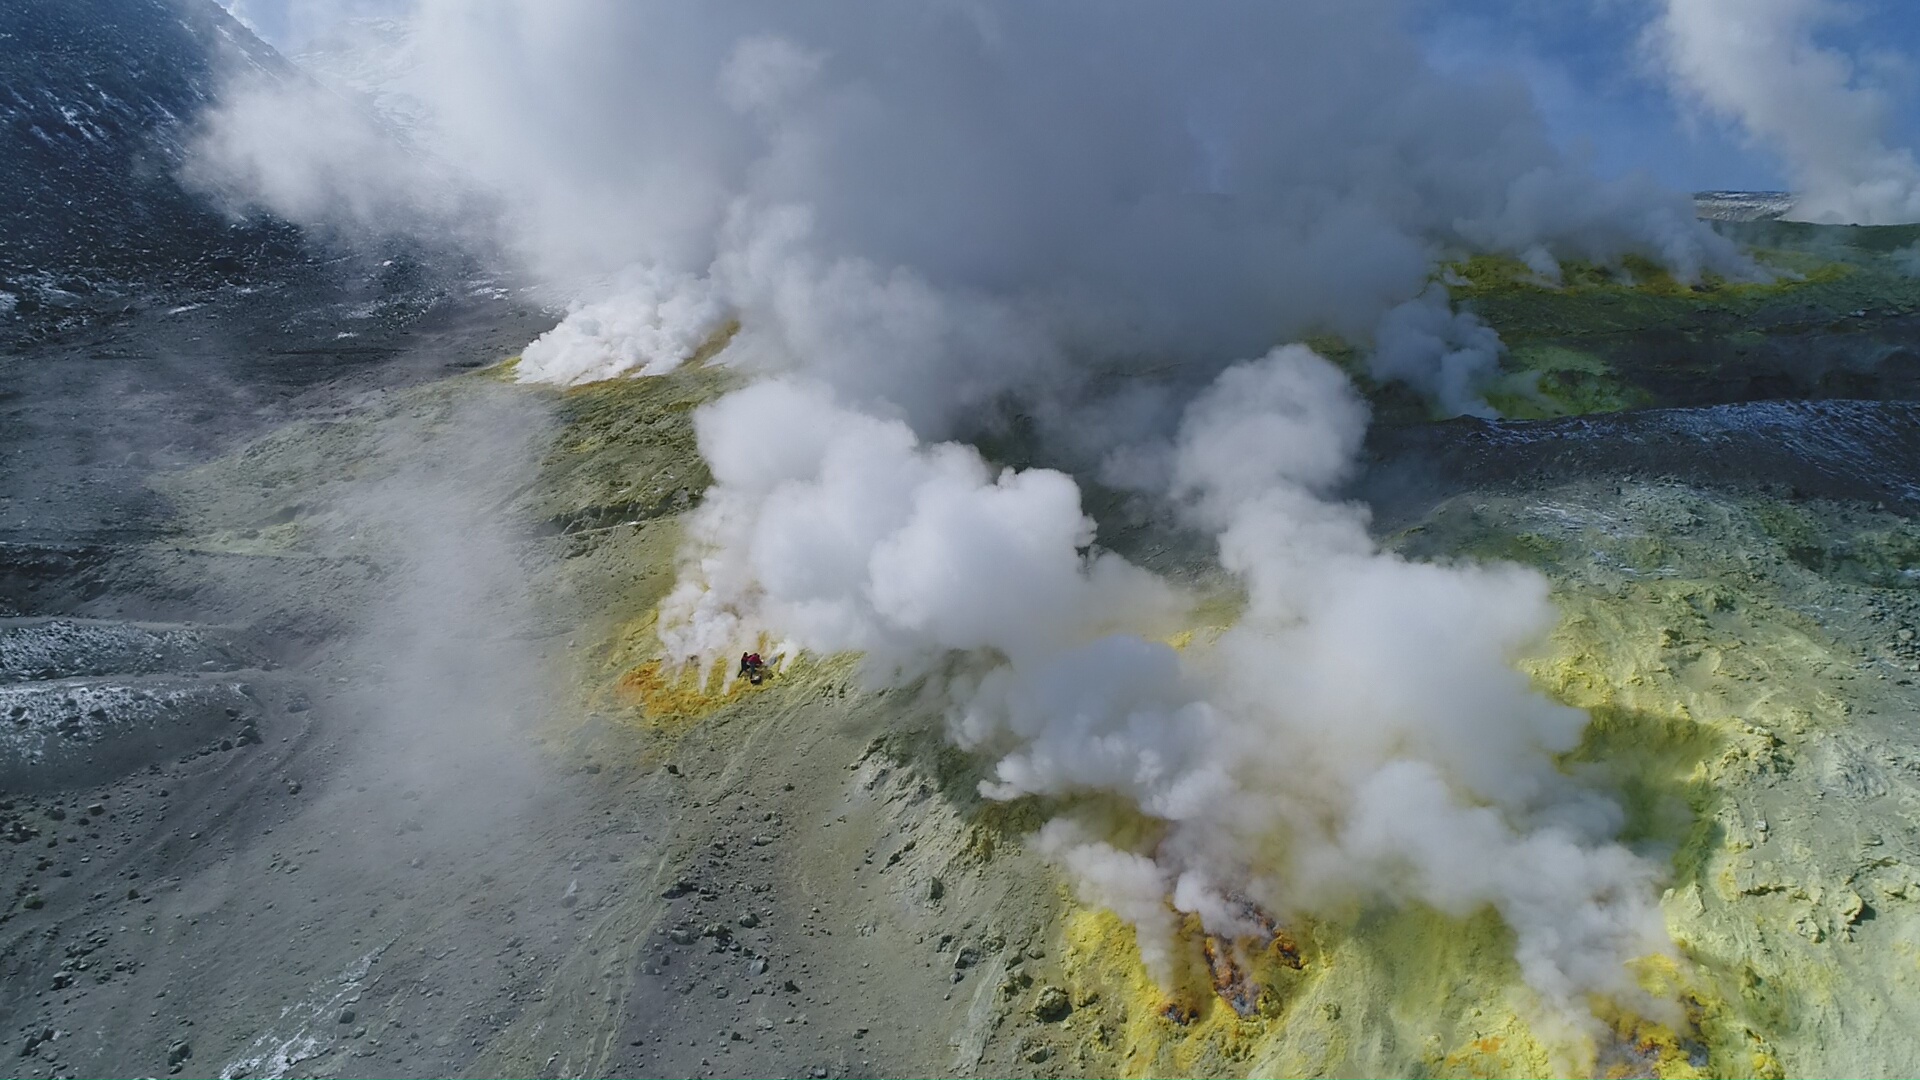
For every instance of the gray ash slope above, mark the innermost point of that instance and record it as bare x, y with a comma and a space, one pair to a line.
151, 695
173, 688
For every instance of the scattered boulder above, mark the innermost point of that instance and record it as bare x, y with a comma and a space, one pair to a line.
1052, 1005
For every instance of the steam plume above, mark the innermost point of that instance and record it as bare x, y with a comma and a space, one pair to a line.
1359, 732
1757, 62
932, 206
932, 222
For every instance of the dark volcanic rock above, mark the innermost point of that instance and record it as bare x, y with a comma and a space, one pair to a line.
1866, 450
97, 102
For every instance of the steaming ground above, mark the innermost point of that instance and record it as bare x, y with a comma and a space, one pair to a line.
921, 238
375, 674
481, 832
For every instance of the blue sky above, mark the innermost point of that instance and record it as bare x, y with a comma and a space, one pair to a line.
1601, 95
1584, 61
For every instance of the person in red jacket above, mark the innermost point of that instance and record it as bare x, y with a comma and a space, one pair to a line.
753, 667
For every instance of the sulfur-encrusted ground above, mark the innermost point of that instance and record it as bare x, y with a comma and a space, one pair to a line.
484, 831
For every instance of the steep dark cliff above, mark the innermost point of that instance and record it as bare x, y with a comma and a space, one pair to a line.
97, 103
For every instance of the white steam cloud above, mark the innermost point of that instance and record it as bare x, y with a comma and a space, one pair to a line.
1065, 223
845, 532
654, 320
1359, 732
935, 205
1450, 356
1759, 63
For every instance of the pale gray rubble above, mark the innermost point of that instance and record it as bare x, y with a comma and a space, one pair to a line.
57, 648
55, 734
1742, 205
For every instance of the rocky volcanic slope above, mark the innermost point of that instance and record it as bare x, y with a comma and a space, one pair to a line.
146, 686
96, 103
333, 739
484, 832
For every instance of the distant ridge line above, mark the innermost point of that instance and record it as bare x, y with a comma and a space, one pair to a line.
1742, 205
